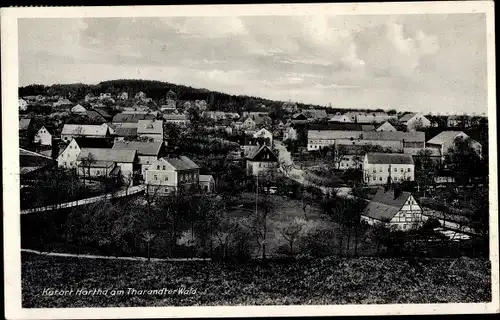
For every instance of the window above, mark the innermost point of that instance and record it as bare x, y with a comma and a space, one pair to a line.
402, 170
166, 178
374, 170
155, 177
158, 167
380, 178
404, 226
147, 161
64, 162
163, 167
395, 169
395, 178
380, 169
409, 169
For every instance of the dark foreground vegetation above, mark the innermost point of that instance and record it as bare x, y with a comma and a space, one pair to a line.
328, 280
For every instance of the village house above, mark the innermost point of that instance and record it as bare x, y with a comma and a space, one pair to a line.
68, 157
261, 161
368, 117
246, 123
44, 136
299, 118
130, 120
70, 131
387, 127
122, 96
177, 119
257, 111
167, 175
23, 105
78, 109
207, 183
147, 152
382, 168
95, 116
95, 162
264, 134
414, 121
349, 157
105, 96
447, 140
169, 107
340, 118
214, 115
150, 129
393, 207
290, 134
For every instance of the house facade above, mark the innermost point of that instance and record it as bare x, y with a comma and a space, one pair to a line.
393, 207
342, 118
207, 183
43, 136
167, 175
414, 121
262, 160
78, 109
265, 135
446, 140
381, 168
68, 157
102, 162
386, 127
71, 131
152, 129
177, 119
147, 152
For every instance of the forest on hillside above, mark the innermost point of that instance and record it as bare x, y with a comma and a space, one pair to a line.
157, 90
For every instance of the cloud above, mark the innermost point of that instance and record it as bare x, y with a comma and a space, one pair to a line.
207, 27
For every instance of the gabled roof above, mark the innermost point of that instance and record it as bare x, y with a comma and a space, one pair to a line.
389, 158
94, 115
124, 156
262, 132
181, 163
150, 127
93, 143
261, 153
384, 205
407, 117
386, 124
444, 137
142, 147
132, 117
85, 129
299, 116
103, 113
261, 119
30, 161
48, 128
78, 108
24, 123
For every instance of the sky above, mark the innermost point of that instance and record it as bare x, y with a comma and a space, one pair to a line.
422, 63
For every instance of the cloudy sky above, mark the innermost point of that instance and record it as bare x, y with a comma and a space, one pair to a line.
430, 63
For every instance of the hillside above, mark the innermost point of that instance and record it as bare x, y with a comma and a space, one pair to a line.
157, 90
322, 281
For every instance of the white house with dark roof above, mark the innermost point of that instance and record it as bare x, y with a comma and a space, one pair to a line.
69, 155
414, 121
393, 207
78, 109
147, 152
177, 119
446, 140
261, 160
44, 136
150, 129
381, 168
169, 174
264, 134
102, 162
70, 131
342, 118
207, 182
387, 127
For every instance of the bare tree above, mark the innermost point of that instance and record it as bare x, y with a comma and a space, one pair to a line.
87, 163
290, 230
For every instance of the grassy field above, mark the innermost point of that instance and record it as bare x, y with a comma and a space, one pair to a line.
322, 281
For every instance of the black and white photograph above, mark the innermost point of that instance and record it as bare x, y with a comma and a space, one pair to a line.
319, 159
